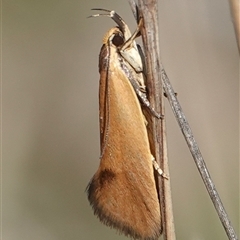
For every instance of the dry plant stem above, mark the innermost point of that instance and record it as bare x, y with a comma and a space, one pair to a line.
235, 11
133, 6
148, 10
192, 144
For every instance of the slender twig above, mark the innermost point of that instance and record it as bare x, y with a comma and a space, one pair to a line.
157, 128
197, 156
134, 7
235, 11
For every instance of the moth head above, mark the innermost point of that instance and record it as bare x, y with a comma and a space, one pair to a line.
122, 38
114, 37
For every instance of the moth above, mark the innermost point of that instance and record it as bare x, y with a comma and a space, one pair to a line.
123, 192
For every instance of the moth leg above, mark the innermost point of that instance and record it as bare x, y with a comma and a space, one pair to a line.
146, 103
158, 169
140, 88
133, 37
140, 91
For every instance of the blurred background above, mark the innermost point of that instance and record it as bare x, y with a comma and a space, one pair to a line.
50, 134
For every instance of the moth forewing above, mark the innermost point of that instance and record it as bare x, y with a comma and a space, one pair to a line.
123, 192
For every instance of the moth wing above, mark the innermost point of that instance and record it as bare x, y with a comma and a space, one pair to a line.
122, 192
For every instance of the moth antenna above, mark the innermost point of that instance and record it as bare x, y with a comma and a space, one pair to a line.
112, 14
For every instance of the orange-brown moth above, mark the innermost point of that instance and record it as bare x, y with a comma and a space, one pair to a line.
123, 192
